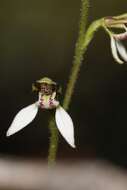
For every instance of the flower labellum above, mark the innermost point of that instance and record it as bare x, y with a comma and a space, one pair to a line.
48, 92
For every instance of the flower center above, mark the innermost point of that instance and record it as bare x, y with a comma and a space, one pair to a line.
46, 89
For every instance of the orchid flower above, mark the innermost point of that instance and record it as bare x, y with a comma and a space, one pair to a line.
48, 92
118, 50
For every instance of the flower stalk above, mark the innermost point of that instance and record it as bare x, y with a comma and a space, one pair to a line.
54, 139
84, 38
81, 47
78, 55
53, 146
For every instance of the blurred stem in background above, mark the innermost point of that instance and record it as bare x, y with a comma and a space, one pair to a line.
84, 38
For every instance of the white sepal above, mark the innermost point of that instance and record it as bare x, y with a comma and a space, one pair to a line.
121, 49
23, 118
65, 125
114, 50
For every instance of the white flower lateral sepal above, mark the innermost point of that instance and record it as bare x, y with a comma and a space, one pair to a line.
26, 115
65, 125
47, 94
23, 118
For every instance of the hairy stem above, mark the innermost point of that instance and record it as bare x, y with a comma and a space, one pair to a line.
80, 50
77, 59
84, 38
53, 142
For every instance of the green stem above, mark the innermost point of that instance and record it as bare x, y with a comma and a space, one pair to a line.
78, 57
53, 142
80, 50
83, 18
53, 130
84, 38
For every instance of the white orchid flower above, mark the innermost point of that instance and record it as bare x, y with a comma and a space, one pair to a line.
47, 93
118, 50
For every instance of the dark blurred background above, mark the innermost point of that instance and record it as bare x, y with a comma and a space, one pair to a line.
37, 39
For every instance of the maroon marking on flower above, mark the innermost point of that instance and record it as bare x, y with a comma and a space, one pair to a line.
51, 104
41, 104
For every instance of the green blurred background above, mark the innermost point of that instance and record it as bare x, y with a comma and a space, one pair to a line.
37, 39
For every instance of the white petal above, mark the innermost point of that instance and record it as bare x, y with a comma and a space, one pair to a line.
23, 118
65, 125
122, 51
114, 51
